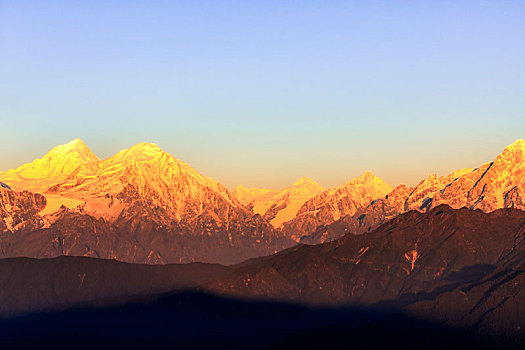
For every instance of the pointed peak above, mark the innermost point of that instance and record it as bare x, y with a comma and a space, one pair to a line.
145, 145
75, 151
366, 177
305, 180
519, 144
77, 142
141, 151
148, 148
61, 160
368, 180
239, 188
514, 153
73, 145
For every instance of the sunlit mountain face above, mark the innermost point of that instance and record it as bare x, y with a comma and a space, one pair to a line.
144, 205
141, 205
278, 206
494, 185
444, 256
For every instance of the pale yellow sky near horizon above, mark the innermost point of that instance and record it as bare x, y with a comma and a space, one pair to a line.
326, 177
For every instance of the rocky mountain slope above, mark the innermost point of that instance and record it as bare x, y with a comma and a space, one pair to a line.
494, 185
146, 176
141, 205
278, 206
20, 210
247, 195
165, 211
332, 204
413, 253
31, 285
493, 305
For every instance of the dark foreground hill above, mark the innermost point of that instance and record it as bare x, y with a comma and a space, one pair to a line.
33, 285
192, 320
412, 254
443, 279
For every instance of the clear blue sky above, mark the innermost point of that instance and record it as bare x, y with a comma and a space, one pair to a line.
261, 93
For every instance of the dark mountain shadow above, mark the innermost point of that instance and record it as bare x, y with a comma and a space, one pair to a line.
471, 273
465, 276
193, 319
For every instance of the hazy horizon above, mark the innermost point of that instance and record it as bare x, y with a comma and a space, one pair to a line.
263, 94
290, 183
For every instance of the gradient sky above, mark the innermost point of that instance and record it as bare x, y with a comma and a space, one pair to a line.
261, 93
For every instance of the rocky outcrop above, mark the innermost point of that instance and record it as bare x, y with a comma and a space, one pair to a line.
499, 184
19, 210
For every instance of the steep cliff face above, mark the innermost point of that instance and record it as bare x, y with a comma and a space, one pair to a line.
420, 198
333, 204
19, 210
500, 184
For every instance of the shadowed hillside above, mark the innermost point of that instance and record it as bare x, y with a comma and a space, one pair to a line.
194, 320
421, 280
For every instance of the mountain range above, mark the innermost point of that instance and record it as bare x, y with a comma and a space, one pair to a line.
144, 205
141, 247
141, 205
443, 278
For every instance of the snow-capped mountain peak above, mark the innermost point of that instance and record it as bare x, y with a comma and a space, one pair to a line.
54, 166
140, 152
60, 160
144, 175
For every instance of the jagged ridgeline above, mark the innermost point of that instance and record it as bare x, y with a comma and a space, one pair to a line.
143, 205
453, 273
